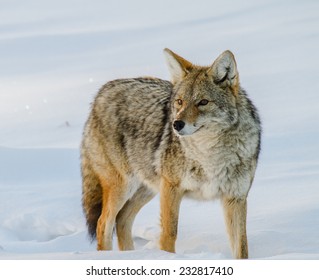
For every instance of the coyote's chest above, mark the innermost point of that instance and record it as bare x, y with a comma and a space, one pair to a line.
214, 172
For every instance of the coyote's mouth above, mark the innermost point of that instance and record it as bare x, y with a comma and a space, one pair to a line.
188, 132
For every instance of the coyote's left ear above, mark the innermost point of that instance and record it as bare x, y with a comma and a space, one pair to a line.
224, 71
178, 66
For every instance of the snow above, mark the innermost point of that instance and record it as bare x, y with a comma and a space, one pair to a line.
56, 55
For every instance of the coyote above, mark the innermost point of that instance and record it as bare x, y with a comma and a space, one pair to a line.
197, 136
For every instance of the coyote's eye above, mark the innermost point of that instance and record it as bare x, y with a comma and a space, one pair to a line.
179, 102
203, 102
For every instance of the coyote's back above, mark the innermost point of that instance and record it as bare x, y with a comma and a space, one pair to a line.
197, 136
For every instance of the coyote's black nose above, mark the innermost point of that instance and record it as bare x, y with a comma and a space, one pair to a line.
178, 125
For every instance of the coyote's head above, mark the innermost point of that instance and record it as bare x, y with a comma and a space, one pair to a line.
204, 98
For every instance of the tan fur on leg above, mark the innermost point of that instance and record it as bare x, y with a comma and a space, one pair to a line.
171, 197
235, 217
114, 197
126, 216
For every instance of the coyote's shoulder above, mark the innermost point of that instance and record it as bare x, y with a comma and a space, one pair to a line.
196, 136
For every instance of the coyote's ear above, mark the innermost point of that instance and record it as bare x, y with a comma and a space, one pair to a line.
224, 71
178, 66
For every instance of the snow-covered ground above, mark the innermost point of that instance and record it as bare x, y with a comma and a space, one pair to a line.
54, 56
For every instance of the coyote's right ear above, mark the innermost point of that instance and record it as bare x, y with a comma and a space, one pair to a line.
178, 66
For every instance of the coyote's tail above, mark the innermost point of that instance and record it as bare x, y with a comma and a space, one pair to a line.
91, 198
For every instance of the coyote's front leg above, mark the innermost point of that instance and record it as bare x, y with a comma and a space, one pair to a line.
235, 211
170, 198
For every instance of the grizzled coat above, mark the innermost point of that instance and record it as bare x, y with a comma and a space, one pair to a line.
197, 136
